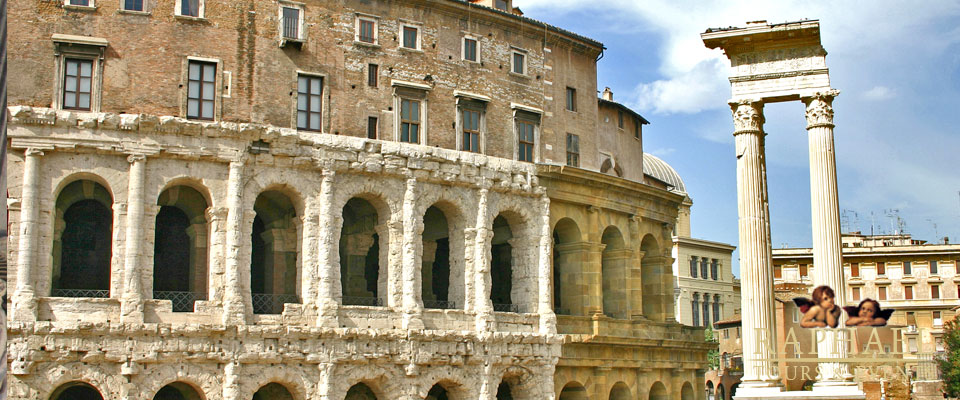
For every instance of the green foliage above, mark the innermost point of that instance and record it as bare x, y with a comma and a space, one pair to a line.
949, 363
713, 356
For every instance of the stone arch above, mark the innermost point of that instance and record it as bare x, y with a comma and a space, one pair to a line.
651, 277
365, 237
620, 391
273, 391
293, 381
49, 380
686, 392
448, 390
721, 392
442, 271
76, 390
460, 383
658, 391
203, 379
569, 295
179, 390
613, 269
518, 383
710, 391
180, 251
361, 391
454, 202
573, 391
515, 252
83, 239
274, 255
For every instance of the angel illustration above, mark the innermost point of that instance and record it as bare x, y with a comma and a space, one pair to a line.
821, 311
868, 313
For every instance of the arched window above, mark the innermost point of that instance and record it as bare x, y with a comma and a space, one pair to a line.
656, 299
273, 391
76, 391
273, 259
613, 268
620, 391
658, 391
360, 391
177, 391
180, 248
82, 245
568, 253
435, 271
573, 391
437, 392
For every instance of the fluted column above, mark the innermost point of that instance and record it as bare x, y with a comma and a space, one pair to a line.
411, 258
233, 308
825, 213
131, 306
24, 297
482, 243
759, 336
328, 255
548, 320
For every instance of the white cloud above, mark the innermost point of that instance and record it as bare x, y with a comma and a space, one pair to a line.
878, 93
703, 87
663, 151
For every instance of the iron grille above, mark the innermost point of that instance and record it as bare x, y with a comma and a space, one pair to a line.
291, 23
362, 301
440, 304
101, 294
562, 311
182, 301
514, 308
271, 303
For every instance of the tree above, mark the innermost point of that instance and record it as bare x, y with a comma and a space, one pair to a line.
713, 356
949, 362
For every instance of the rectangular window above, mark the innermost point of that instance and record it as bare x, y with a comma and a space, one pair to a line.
856, 294
803, 270
716, 309
409, 121
367, 30
937, 320
372, 127
715, 269
913, 345
908, 292
571, 99
201, 80
696, 311
778, 271
525, 140
693, 267
372, 74
470, 120
573, 150
291, 23
470, 49
190, 8
411, 37
706, 311
882, 292
84, 3
934, 291
77, 84
501, 5
881, 268
620, 119
133, 5
854, 270
703, 268
309, 102
933, 267
907, 268
519, 63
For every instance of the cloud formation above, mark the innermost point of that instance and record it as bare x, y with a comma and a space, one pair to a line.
878, 93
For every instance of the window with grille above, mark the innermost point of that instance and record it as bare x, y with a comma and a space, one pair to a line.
201, 89
409, 120
77, 84
367, 30
573, 150
291, 23
373, 71
470, 49
470, 120
309, 102
411, 38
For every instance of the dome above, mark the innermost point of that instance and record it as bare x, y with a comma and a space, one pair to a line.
660, 170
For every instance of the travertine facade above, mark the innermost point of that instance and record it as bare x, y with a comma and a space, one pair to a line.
220, 200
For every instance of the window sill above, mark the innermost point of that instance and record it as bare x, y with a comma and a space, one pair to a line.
291, 42
366, 44
409, 50
73, 7
133, 12
525, 76
189, 18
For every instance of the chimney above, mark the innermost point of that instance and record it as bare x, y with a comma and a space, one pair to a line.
607, 94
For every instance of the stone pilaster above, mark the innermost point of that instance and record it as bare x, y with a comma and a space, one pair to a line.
483, 239
24, 297
330, 222
410, 261
825, 213
309, 281
231, 381
131, 306
759, 336
216, 217
548, 320
234, 312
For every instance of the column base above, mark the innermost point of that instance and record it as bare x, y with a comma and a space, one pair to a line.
485, 321
24, 307
131, 310
412, 320
548, 323
327, 315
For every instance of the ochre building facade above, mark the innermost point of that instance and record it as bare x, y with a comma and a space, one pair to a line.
330, 200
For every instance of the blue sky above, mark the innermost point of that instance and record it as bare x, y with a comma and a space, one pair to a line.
896, 64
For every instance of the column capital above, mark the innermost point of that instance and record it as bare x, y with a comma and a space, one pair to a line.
33, 151
820, 108
747, 116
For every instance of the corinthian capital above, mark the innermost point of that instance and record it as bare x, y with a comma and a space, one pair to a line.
747, 116
820, 108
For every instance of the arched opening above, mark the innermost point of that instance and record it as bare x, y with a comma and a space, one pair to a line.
82, 245
569, 295
177, 391
686, 392
658, 391
620, 391
360, 391
710, 392
504, 391
180, 248
435, 269
360, 255
76, 391
437, 392
273, 391
721, 393
613, 269
501, 266
273, 259
573, 391
651, 277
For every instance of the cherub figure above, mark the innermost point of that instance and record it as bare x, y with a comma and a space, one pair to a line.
821, 311
868, 313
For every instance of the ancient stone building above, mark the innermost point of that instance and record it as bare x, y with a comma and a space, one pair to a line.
215, 199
